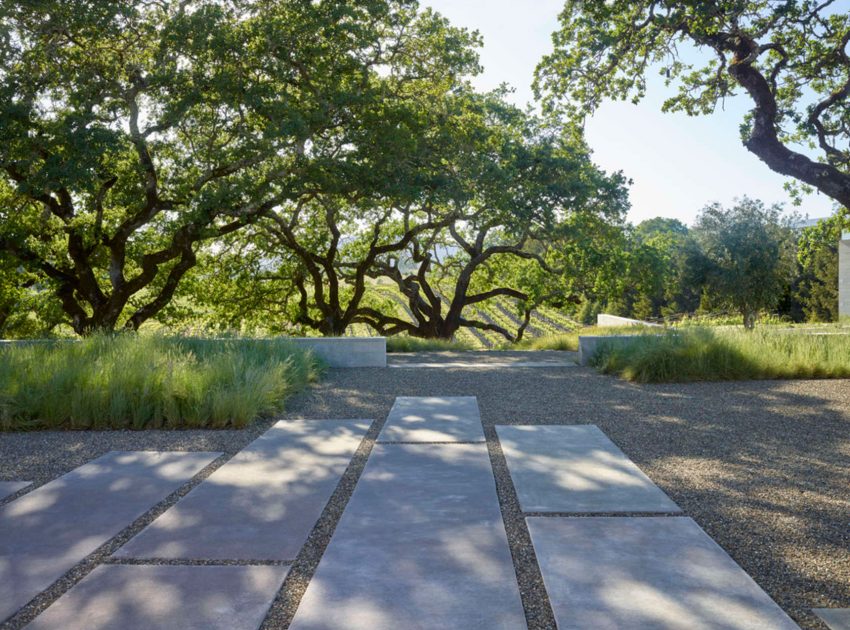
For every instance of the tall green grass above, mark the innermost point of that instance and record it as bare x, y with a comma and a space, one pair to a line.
405, 343
702, 354
569, 341
148, 382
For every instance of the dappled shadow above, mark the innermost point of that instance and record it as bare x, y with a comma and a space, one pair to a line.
421, 544
139, 596
631, 572
9, 488
762, 466
576, 468
261, 504
47, 531
433, 419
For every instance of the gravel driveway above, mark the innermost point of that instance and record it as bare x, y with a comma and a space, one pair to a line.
762, 466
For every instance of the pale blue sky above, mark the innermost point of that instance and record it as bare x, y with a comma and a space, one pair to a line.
678, 163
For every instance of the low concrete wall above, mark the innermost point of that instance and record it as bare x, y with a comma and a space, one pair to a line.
608, 321
347, 352
588, 345
336, 352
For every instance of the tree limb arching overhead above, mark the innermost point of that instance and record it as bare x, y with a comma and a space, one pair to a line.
790, 57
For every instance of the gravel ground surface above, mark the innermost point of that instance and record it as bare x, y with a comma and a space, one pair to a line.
762, 466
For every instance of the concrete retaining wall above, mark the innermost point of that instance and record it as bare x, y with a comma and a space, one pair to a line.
336, 352
608, 321
347, 352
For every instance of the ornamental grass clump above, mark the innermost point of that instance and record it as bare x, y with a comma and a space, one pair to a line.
130, 381
702, 354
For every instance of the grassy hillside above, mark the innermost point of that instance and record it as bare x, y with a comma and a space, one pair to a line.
545, 322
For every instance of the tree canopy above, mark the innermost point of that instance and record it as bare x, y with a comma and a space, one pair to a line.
315, 167
789, 56
745, 256
817, 255
484, 204
134, 131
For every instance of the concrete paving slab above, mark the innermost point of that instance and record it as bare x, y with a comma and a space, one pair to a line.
8, 488
576, 469
433, 419
260, 505
834, 618
47, 531
149, 597
421, 544
610, 573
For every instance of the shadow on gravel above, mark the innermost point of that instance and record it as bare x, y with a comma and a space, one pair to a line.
762, 466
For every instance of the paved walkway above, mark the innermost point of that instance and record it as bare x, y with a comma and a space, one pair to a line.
421, 543
484, 360
46, 532
576, 470
610, 573
433, 419
835, 618
260, 505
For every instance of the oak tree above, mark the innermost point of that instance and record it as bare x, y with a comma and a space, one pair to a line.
745, 258
789, 56
134, 131
527, 186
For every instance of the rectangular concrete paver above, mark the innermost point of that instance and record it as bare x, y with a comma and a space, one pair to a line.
150, 597
46, 532
421, 544
11, 487
834, 618
576, 468
659, 573
433, 419
260, 505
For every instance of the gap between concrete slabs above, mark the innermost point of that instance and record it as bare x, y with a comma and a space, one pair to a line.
538, 612
8, 488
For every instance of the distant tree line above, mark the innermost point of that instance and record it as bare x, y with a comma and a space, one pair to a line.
748, 259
